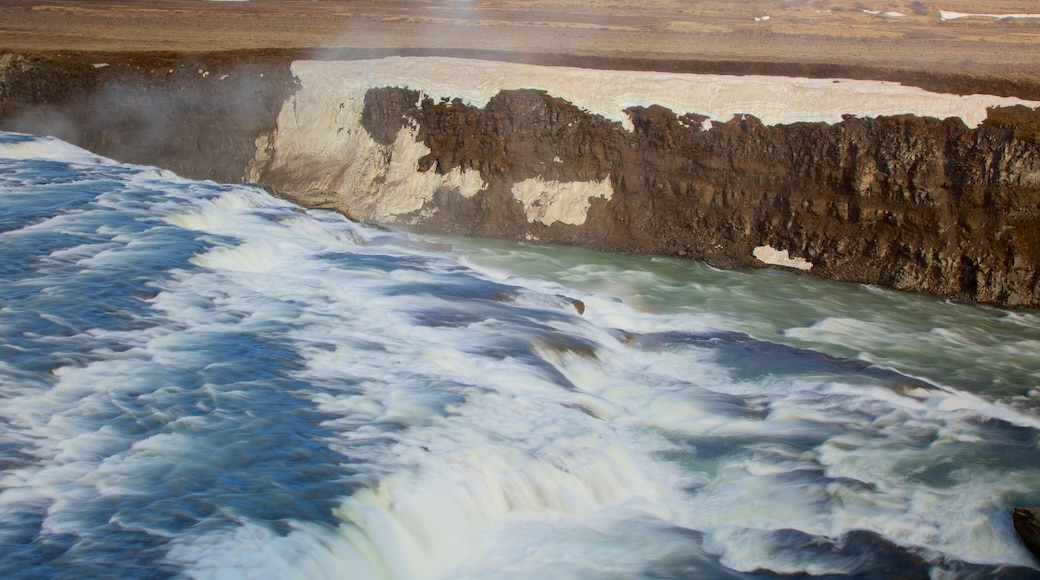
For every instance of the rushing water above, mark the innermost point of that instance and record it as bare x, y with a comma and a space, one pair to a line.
199, 380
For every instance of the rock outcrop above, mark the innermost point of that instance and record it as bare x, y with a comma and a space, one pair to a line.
908, 201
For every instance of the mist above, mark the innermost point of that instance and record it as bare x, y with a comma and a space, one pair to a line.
192, 112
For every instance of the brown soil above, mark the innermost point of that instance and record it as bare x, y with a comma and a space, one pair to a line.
196, 86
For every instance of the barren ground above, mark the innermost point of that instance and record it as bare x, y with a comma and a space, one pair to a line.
841, 34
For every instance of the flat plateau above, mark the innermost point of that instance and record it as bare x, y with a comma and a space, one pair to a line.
907, 41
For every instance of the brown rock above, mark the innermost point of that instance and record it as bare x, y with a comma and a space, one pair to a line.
1027, 524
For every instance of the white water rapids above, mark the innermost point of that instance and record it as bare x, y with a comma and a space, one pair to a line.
198, 380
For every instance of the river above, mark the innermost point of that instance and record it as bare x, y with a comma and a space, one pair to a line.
199, 380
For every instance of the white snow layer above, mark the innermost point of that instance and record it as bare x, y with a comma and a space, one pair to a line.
772, 256
321, 143
774, 100
947, 15
554, 201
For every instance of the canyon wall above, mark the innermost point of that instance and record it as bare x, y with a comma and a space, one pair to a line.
858, 181
850, 180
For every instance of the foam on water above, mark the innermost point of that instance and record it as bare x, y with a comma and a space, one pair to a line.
18, 147
199, 380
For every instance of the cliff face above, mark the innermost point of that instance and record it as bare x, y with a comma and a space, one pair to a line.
923, 202
910, 202
907, 202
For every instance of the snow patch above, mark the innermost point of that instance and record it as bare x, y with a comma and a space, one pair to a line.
772, 256
945, 15
773, 100
555, 201
322, 146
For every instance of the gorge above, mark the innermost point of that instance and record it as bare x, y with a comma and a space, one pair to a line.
490, 288
856, 180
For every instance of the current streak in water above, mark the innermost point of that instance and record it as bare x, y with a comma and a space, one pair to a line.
198, 380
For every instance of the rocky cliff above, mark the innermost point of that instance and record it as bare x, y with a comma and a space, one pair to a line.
931, 193
913, 203
943, 198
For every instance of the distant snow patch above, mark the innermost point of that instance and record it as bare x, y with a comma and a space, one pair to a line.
772, 256
945, 15
887, 14
321, 142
